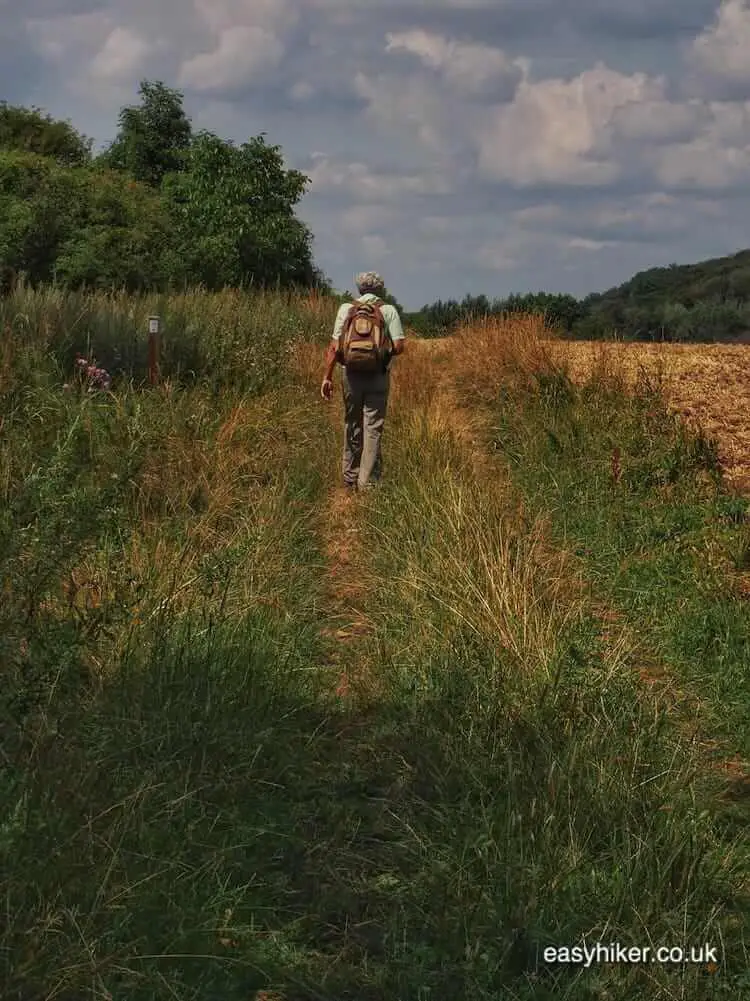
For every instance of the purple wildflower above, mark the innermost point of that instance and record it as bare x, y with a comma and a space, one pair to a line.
97, 378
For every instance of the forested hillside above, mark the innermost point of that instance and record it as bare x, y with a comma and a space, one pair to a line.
708, 301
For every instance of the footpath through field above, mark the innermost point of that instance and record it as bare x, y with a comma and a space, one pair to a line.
533, 723
404, 745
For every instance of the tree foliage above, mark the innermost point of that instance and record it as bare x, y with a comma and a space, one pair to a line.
37, 199
234, 215
78, 226
442, 317
29, 130
121, 236
161, 207
707, 301
154, 136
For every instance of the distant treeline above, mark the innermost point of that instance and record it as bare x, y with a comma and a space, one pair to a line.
708, 301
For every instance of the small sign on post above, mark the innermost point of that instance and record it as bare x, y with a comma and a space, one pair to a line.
153, 349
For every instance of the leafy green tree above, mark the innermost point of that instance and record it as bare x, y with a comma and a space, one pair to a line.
714, 320
154, 136
234, 215
739, 284
393, 301
121, 236
711, 297
677, 321
29, 130
37, 208
442, 316
419, 324
478, 305
79, 226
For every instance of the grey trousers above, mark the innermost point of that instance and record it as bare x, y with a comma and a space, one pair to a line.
365, 403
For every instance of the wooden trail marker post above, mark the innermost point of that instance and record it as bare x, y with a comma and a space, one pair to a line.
153, 349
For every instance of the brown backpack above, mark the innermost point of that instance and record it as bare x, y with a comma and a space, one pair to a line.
364, 339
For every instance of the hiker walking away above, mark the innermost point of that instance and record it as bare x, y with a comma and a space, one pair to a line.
366, 336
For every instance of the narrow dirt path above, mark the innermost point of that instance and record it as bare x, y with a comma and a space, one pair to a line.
344, 620
419, 385
346, 589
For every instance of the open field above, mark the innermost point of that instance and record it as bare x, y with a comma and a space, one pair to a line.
707, 384
263, 742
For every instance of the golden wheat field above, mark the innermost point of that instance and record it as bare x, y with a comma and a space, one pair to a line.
706, 384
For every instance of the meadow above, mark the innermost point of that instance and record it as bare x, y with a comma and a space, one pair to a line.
262, 741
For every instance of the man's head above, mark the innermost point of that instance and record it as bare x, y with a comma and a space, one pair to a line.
370, 281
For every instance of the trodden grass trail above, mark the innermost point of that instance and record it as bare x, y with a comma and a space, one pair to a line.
383, 747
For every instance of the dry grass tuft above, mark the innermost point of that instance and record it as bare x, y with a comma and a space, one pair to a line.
463, 557
497, 350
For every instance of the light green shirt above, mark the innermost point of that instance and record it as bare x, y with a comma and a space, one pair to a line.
390, 317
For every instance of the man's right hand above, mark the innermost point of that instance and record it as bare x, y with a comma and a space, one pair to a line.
326, 389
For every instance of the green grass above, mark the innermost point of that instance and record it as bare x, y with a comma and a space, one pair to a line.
226, 341
163, 585
160, 770
667, 544
553, 800
192, 813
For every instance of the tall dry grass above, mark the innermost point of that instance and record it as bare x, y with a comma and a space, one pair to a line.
500, 351
459, 546
225, 340
162, 582
541, 771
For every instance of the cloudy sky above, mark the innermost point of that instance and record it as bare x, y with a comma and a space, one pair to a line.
457, 146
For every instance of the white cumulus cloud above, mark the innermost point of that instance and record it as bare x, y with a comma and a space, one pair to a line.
67, 38
122, 57
557, 131
659, 121
221, 14
700, 164
716, 156
442, 120
242, 53
410, 105
469, 67
366, 184
724, 47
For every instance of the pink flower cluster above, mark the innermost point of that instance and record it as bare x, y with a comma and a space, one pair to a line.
97, 378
